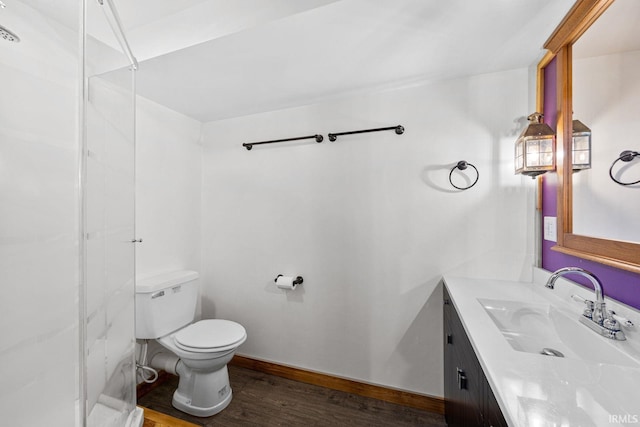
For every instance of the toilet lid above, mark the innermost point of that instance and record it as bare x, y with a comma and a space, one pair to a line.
210, 334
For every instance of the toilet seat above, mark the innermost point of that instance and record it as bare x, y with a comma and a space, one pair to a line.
210, 335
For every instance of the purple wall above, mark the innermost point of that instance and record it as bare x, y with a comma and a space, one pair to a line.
620, 285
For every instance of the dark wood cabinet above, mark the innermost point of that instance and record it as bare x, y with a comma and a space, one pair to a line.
469, 400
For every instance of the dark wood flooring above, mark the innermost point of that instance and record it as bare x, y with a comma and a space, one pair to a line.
266, 400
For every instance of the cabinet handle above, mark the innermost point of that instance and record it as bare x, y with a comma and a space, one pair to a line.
449, 339
447, 301
462, 379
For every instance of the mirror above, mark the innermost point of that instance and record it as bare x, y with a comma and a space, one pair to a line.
606, 97
587, 238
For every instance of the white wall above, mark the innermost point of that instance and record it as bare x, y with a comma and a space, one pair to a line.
369, 221
168, 189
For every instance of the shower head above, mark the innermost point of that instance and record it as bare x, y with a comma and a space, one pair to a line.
8, 35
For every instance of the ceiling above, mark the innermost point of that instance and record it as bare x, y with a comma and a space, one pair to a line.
215, 59
347, 46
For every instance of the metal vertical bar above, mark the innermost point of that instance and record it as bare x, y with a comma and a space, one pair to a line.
116, 25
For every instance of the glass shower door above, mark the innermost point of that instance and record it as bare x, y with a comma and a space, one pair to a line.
109, 212
110, 262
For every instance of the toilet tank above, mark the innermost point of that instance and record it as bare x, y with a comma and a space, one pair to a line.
165, 303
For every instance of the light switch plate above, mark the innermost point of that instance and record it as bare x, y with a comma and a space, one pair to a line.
550, 228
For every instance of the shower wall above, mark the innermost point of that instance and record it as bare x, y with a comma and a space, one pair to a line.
66, 357
39, 218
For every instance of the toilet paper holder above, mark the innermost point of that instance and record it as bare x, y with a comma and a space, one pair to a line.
297, 281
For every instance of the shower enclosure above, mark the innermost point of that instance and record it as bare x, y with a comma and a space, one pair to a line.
67, 165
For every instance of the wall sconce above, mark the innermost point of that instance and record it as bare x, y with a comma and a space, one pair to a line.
581, 146
535, 148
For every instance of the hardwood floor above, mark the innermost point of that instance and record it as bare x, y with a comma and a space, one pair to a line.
157, 419
261, 399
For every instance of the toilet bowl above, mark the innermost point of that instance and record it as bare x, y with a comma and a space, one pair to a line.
198, 352
203, 350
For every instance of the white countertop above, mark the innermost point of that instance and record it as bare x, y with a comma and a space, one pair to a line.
536, 390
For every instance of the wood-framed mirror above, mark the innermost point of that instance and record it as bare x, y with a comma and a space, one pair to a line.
616, 253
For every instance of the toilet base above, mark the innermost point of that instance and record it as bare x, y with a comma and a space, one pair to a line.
211, 390
180, 405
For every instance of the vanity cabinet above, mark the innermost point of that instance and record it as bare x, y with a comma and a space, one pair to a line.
469, 400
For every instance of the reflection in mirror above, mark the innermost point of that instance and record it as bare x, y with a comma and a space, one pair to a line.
606, 97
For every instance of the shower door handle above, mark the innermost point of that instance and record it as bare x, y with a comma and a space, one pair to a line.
136, 241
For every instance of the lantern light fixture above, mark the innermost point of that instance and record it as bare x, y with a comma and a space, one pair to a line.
535, 148
581, 145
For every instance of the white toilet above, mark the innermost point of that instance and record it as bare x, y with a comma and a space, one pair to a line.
198, 352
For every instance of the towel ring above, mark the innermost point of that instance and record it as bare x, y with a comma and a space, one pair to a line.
462, 165
625, 156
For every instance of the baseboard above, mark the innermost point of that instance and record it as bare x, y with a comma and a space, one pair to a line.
414, 400
156, 419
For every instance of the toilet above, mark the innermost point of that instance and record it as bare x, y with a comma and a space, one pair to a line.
198, 352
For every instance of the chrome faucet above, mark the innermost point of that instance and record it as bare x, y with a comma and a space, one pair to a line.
595, 315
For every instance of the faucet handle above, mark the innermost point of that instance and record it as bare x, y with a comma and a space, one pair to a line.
622, 320
611, 324
578, 298
587, 302
588, 310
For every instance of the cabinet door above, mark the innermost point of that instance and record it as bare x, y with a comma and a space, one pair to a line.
492, 414
454, 401
469, 374
469, 400
462, 386
454, 404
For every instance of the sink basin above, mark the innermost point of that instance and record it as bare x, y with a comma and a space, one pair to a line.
532, 327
